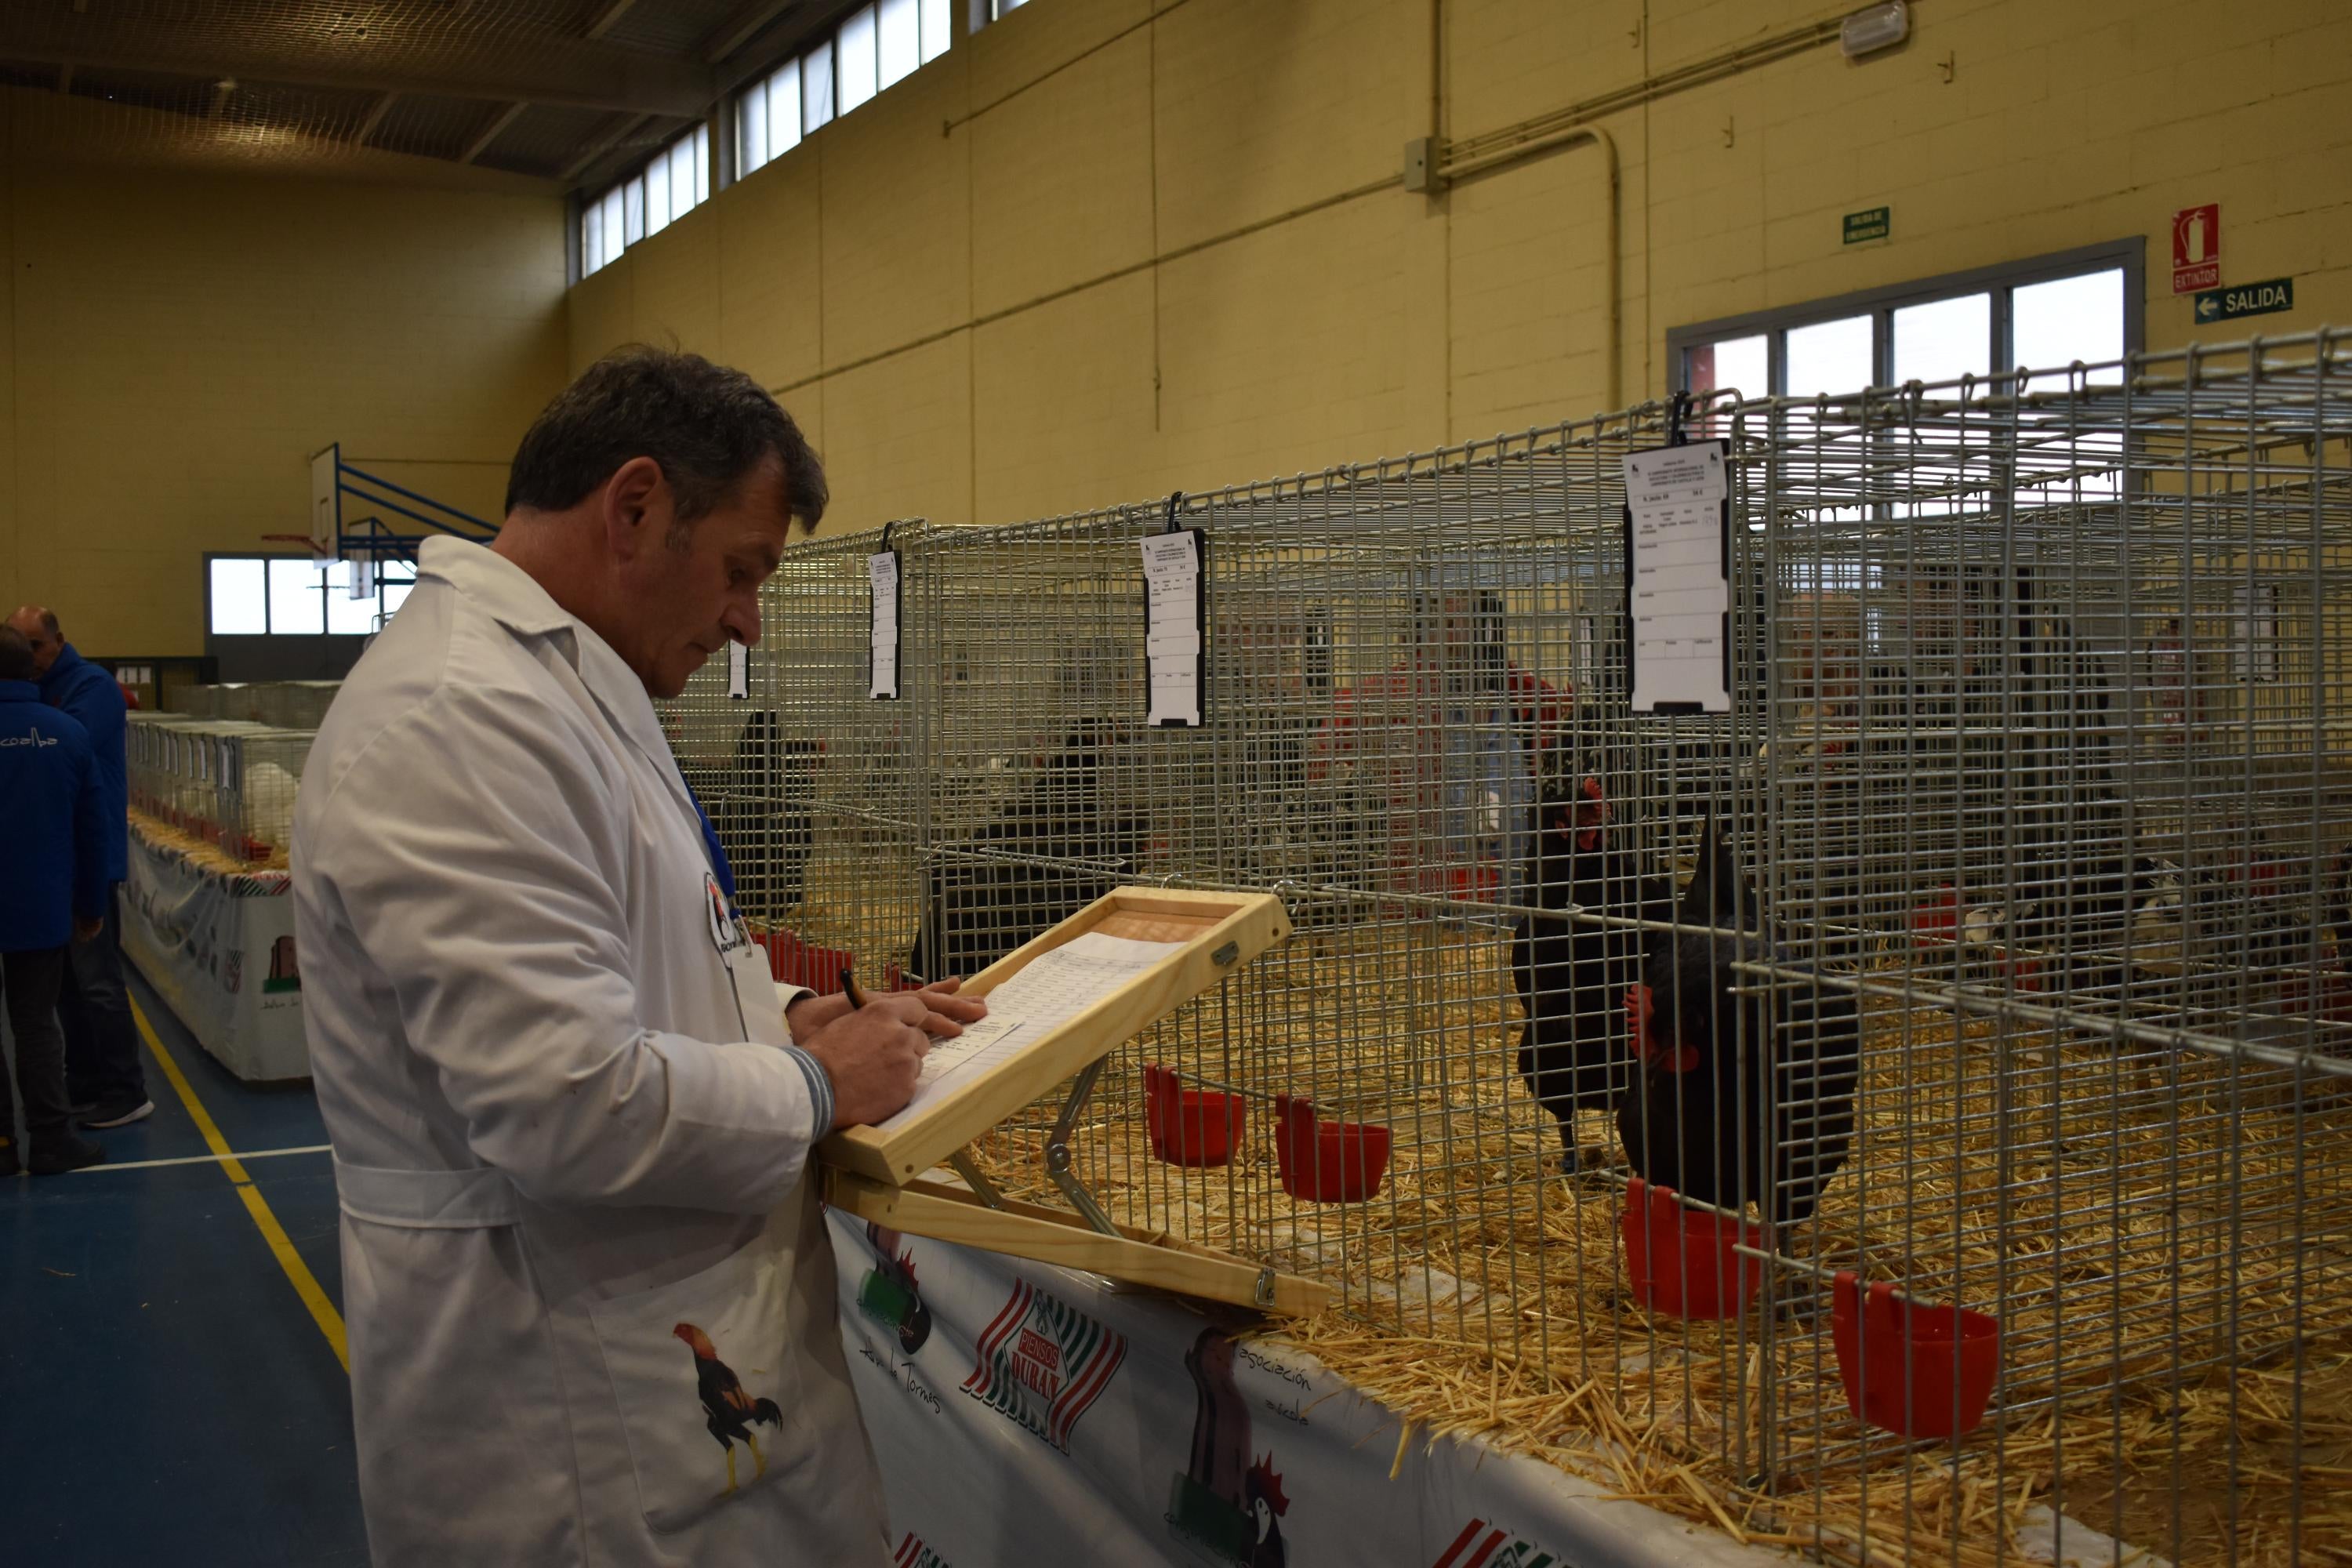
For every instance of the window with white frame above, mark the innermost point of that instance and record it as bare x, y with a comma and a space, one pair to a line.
672, 183
2045, 314
293, 596
874, 48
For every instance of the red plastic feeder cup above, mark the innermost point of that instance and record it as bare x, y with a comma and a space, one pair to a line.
1683, 1261
1327, 1162
1920, 1371
1190, 1126
797, 962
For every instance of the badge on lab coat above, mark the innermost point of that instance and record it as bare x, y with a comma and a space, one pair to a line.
726, 931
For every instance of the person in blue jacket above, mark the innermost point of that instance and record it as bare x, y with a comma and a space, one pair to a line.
52, 862
103, 1076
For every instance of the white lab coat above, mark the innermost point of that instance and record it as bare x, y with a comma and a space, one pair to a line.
565, 1114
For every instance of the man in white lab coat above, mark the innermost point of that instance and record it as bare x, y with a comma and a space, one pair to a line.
591, 1303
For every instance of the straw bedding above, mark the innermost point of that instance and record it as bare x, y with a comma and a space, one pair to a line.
202, 854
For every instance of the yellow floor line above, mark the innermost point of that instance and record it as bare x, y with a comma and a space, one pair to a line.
306, 1284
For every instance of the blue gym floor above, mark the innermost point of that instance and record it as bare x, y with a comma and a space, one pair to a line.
165, 1395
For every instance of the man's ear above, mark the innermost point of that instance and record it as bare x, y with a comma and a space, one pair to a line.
636, 507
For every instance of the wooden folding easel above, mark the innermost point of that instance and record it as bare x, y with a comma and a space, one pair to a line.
877, 1175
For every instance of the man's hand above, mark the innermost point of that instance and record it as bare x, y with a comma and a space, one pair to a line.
809, 1016
873, 1055
88, 929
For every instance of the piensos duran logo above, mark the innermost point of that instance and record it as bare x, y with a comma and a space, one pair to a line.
913, 1553
1043, 1363
1484, 1545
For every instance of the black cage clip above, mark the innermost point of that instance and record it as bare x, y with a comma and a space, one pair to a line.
886, 538
1678, 420
1175, 503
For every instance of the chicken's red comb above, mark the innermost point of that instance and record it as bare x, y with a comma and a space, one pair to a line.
907, 1264
1269, 1485
1592, 790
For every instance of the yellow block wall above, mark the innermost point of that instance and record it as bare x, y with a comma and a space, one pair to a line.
176, 342
1107, 247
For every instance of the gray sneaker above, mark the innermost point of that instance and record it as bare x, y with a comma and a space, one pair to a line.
118, 1113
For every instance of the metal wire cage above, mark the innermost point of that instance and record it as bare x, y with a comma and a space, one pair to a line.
257, 772
1906, 1101
817, 794
296, 704
147, 756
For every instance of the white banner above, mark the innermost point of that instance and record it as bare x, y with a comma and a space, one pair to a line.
219, 949
1028, 1415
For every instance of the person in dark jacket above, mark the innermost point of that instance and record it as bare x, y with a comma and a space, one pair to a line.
53, 865
103, 1078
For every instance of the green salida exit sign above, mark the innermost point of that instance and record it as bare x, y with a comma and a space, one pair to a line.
1872, 222
2246, 299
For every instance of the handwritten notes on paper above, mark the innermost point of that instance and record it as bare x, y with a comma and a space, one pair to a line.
1680, 593
1171, 588
883, 570
1050, 990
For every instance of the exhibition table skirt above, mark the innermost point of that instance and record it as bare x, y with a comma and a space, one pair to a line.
1024, 1413
217, 945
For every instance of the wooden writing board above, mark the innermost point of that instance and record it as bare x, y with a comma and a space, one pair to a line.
873, 1171
1216, 933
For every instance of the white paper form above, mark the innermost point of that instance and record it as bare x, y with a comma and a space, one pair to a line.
1050, 990
738, 671
1680, 595
1171, 588
883, 570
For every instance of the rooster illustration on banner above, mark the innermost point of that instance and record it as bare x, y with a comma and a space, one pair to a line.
1228, 1504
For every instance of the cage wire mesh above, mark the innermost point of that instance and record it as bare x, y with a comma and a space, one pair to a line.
2020, 991
257, 772
818, 794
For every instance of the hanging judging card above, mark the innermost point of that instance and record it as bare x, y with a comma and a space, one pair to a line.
883, 570
738, 671
1174, 615
1678, 578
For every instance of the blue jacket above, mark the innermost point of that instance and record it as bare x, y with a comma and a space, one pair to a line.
84, 690
52, 859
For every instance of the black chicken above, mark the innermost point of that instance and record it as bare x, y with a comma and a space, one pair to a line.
1742, 1097
1572, 976
977, 909
731, 1411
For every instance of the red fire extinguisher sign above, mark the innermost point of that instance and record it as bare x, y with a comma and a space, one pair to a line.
2196, 249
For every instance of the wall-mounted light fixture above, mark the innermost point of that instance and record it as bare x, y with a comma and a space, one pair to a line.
1875, 28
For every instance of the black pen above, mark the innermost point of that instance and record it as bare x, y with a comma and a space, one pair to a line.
849, 988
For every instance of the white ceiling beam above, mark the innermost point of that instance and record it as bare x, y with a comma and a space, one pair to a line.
481, 144
375, 117
742, 27
609, 17
602, 147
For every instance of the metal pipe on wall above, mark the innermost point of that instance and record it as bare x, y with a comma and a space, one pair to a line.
1451, 172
